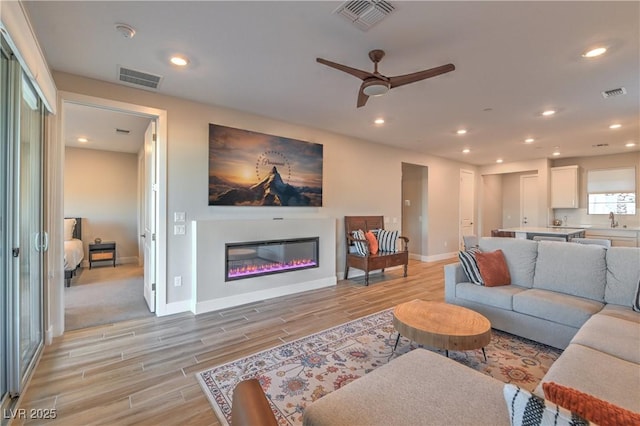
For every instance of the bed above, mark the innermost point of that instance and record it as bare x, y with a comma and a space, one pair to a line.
73, 248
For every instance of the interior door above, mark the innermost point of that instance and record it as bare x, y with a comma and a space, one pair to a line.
150, 208
467, 202
529, 200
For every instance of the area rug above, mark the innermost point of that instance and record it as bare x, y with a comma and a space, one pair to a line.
297, 373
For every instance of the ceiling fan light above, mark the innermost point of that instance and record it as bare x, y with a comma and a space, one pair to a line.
375, 88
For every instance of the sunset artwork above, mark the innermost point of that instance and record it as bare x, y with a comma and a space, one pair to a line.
255, 169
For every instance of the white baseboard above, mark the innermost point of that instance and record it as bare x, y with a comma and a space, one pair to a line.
174, 308
256, 296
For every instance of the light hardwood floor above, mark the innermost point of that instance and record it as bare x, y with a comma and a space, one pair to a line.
143, 371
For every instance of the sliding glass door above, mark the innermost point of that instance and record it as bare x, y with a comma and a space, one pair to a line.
23, 241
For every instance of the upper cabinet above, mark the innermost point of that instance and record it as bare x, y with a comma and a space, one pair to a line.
564, 187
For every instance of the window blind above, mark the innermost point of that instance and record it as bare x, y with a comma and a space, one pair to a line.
606, 181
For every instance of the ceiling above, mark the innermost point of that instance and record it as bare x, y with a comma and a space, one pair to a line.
513, 60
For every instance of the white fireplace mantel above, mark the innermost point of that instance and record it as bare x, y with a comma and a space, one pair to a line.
210, 290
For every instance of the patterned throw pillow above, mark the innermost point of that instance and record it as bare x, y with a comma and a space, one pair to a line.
470, 265
531, 410
636, 299
388, 240
362, 247
589, 407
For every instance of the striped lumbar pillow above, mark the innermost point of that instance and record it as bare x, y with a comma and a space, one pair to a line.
388, 240
531, 410
470, 265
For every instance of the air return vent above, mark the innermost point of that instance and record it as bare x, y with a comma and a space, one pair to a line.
614, 92
142, 80
364, 14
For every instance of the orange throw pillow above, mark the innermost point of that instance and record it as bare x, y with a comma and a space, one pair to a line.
493, 268
589, 407
373, 242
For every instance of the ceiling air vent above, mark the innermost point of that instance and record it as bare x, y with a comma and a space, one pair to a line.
614, 92
142, 80
364, 14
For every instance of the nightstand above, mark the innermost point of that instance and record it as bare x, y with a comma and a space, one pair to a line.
105, 250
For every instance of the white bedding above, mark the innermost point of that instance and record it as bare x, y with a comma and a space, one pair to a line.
73, 254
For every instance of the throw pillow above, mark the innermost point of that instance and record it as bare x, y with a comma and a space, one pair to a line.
493, 268
373, 242
470, 266
388, 240
636, 299
69, 226
531, 410
362, 247
589, 407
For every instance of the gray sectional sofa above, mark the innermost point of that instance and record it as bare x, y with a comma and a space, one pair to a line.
570, 296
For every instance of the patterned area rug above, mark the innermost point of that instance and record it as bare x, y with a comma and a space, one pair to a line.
295, 374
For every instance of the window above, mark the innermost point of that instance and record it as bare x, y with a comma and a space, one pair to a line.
612, 190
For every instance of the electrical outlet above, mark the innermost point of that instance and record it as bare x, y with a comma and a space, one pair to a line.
177, 281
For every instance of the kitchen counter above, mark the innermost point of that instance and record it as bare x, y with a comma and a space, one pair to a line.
599, 227
533, 231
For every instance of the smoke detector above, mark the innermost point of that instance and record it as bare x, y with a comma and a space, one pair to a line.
127, 31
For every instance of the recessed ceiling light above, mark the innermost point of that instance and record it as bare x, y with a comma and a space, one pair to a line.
466, 151
499, 160
379, 121
555, 153
630, 144
615, 126
83, 140
529, 140
126, 31
549, 112
179, 61
461, 131
594, 52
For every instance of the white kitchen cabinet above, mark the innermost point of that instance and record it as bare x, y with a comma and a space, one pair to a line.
619, 237
564, 187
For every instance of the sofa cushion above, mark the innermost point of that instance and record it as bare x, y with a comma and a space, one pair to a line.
520, 255
623, 274
611, 335
596, 373
493, 268
557, 307
589, 407
623, 312
576, 269
526, 409
499, 297
420, 387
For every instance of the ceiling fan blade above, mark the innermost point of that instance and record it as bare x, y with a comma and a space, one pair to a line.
401, 80
353, 71
362, 98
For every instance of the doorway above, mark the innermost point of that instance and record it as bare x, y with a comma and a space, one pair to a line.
414, 208
529, 200
128, 255
467, 206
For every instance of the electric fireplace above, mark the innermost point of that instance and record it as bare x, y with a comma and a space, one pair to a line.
253, 259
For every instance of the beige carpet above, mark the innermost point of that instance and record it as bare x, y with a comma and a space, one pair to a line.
105, 295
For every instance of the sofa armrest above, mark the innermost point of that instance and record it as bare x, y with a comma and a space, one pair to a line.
453, 274
250, 406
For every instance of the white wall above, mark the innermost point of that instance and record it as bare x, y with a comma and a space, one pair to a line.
101, 187
346, 192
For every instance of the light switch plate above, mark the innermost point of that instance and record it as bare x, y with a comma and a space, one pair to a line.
179, 217
179, 230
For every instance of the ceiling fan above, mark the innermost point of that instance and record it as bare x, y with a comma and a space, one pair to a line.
376, 84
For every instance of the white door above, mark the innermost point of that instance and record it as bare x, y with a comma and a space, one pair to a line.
150, 199
529, 200
467, 202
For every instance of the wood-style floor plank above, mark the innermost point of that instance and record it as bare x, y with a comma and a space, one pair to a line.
143, 371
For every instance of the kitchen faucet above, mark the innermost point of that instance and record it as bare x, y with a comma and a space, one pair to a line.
613, 222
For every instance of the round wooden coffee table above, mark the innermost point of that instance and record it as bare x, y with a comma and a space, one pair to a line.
441, 325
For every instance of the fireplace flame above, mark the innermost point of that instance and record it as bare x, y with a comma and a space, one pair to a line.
247, 270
